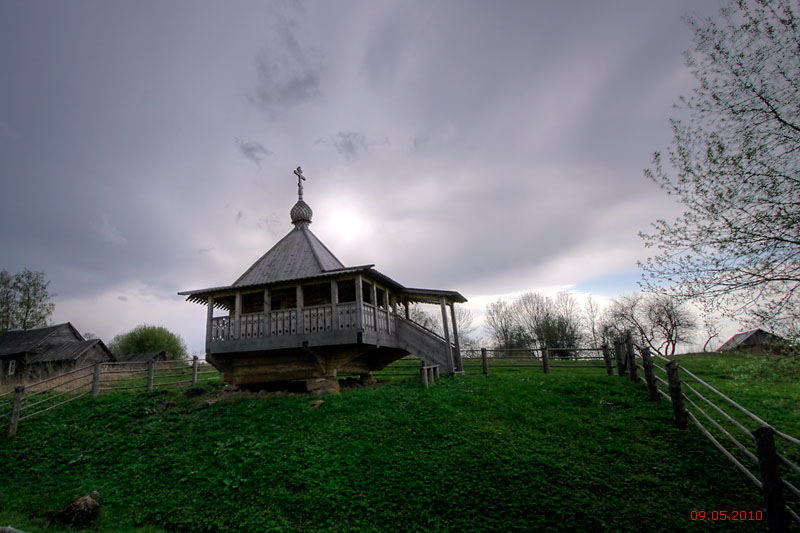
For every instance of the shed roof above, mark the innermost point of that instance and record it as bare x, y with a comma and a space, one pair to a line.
28, 340
68, 351
741, 339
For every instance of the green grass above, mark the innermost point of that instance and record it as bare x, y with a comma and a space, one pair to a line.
767, 386
514, 451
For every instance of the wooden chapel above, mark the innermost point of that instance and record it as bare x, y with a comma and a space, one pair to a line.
299, 314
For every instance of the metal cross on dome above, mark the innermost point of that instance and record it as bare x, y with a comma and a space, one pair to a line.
300, 180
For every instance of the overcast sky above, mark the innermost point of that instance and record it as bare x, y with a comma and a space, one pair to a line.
486, 147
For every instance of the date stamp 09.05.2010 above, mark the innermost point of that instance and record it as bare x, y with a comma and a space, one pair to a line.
744, 516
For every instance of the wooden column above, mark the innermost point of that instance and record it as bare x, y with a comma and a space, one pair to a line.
16, 407
359, 303
455, 337
301, 322
631, 355
485, 362
96, 379
676, 395
619, 355
334, 304
151, 368
607, 359
194, 369
649, 376
209, 322
267, 317
545, 359
771, 484
375, 306
237, 319
408, 315
443, 304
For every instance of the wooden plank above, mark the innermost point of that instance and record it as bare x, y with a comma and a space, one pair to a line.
446, 328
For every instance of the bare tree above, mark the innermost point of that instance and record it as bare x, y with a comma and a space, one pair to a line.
736, 248
712, 328
425, 319
501, 326
541, 321
670, 321
530, 313
591, 310
466, 329
657, 321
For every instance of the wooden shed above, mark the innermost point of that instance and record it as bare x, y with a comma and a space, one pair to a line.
300, 313
51, 349
755, 338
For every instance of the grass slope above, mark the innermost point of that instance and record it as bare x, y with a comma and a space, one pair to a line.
768, 386
514, 451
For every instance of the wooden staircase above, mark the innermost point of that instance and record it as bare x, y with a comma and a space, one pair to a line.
425, 344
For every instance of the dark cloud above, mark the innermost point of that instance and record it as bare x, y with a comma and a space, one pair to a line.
289, 74
518, 135
351, 144
160, 288
253, 150
108, 232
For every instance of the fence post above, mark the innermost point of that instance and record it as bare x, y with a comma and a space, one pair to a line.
423, 374
96, 380
19, 392
150, 373
485, 362
649, 376
629, 348
619, 355
771, 486
546, 359
194, 369
676, 394
607, 359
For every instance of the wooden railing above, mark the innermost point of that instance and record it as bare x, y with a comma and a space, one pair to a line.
347, 316
252, 326
369, 316
283, 322
317, 319
222, 328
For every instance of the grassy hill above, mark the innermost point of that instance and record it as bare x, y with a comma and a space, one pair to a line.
514, 451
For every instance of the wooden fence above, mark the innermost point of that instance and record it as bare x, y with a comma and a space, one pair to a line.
545, 357
27, 401
773, 468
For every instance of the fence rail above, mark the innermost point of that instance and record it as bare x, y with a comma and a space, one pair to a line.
32, 400
694, 400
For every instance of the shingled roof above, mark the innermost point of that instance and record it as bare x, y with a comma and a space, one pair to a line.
754, 337
68, 351
30, 340
300, 254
